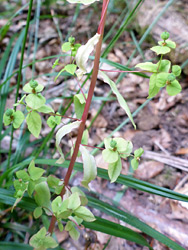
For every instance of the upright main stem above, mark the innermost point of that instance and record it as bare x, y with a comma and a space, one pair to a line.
87, 106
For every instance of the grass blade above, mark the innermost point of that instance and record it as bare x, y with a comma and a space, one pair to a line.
117, 230
133, 221
102, 225
122, 179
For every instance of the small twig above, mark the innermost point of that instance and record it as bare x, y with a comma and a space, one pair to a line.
81, 90
92, 146
122, 71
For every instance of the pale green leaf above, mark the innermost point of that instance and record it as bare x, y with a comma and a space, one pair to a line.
83, 54
176, 70
148, 66
66, 47
35, 101
56, 205
128, 150
27, 88
79, 104
35, 173
89, 166
173, 88
61, 133
134, 163
160, 50
49, 242
164, 66
168, 43
161, 79
83, 198
153, 89
18, 119
37, 212
84, 213
74, 201
34, 123
36, 239
22, 174
60, 226
45, 109
31, 187
121, 144
70, 68
138, 152
109, 155
7, 119
120, 98
74, 234
114, 170
42, 195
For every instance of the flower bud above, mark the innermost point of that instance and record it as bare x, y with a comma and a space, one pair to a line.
165, 35
71, 40
9, 112
33, 84
113, 144
171, 77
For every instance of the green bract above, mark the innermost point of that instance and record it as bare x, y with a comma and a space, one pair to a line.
33, 84
16, 118
37, 212
71, 40
35, 101
115, 149
176, 70
79, 104
89, 166
148, 66
70, 68
160, 50
173, 88
34, 172
54, 120
42, 242
9, 112
28, 89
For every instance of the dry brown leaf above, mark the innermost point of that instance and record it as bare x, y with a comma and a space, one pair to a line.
148, 170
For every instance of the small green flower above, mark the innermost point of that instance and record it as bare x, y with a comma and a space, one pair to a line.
165, 35
9, 112
33, 84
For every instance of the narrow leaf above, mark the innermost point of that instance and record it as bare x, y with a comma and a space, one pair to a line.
148, 66
114, 170
89, 166
83, 54
120, 98
61, 133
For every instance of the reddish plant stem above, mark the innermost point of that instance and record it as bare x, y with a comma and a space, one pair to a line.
87, 106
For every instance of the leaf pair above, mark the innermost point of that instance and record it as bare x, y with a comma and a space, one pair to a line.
14, 117
115, 149
161, 77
